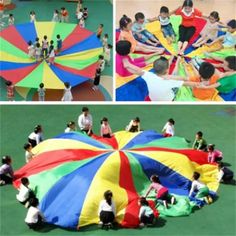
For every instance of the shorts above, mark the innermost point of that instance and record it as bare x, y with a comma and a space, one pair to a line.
146, 35
168, 30
107, 217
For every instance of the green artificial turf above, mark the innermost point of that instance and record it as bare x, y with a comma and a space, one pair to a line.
217, 122
100, 11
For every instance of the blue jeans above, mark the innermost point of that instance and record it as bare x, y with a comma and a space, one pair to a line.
168, 30
146, 35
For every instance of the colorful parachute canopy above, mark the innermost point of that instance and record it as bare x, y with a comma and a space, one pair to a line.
71, 172
76, 63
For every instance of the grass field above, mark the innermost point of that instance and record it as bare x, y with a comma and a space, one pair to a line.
218, 123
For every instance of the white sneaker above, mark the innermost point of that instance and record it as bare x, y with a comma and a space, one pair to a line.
141, 225
2, 182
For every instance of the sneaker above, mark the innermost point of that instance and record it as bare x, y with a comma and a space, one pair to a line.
206, 200
172, 200
141, 225
100, 224
2, 182
27, 205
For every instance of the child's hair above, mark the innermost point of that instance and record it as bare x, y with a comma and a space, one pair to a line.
215, 15
143, 201
24, 181
32, 13
84, 109
30, 43
36, 39
188, 3
85, 8
70, 124
104, 119
41, 85
155, 179
38, 129
124, 21
161, 65
108, 196
106, 35
123, 47
45, 37
137, 119
109, 46
10, 15
8, 83
51, 42
196, 175
100, 57
38, 45
232, 24
231, 62
27, 146
164, 9
101, 25
200, 134
6, 159
34, 202
206, 70
139, 16
58, 36
56, 11
211, 147
171, 121
63, 8
67, 84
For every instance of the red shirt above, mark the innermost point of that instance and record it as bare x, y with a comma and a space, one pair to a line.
188, 21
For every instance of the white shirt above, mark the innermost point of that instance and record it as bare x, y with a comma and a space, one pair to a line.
23, 193
28, 156
169, 129
161, 89
196, 185
52, 54
145, 210
164, 21
220, 175
85, 121
35, 137
105, 129
79, 15
33, 215
104, 206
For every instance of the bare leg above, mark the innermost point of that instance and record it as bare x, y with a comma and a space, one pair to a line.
180, 44
200, 42
216, 49
151, 43
149, 49
185, 44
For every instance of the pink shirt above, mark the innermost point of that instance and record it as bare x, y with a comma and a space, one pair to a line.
155, 186
105, 129
213, 155
120, 68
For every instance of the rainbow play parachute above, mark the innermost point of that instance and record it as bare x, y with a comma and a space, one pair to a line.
71, 172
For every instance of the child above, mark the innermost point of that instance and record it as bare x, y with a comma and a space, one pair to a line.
205, 74
100, 30
45, 46
25, 193
126, 34
105, 130
200, 189
228, 40
41, 92
51, 55
188, 26
36, 136
11, 19
210, 31
107, 54
28, 152
10, 90
70, 127
38, 52
6, 171
101, 62
162, 192
67, 96
146, 215
169, 129
166, 26
64, 15
32, 17
97, 78
31, 50
36, 41
213, 154
79, 15
225, 174
107, 211
105, 41
34, 217
55, 17
85, 13
134, 125
200, 143
139, 30
85, 121
125, 65
82, 22
59, 43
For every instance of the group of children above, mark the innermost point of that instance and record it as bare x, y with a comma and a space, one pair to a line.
134, 37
